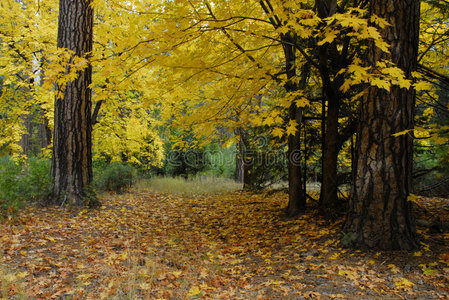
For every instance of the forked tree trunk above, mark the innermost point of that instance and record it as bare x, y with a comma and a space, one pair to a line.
379, 214
72, 154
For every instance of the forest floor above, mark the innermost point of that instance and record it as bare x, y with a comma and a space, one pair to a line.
234, 245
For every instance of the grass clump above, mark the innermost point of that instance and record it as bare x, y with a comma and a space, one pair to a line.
192, 186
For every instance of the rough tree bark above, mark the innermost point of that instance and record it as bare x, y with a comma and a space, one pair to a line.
379, 214
72, 149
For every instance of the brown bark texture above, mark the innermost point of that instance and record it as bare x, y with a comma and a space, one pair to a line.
297, 199
72, 149
243, 164
379, 214
328, 203
329, 187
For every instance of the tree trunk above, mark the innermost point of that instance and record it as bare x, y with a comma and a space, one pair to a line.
72, 149
45, 133
24, 142
328, 203
243, 163
296, 199
379, 214
329, 186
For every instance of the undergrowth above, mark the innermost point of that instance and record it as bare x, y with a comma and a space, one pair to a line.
114, 177
22, 182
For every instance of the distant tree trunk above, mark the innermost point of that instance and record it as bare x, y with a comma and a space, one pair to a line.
243, 164
24, 142
379, 214
297, 199
72, 149
45, 133
45, 130
238, 165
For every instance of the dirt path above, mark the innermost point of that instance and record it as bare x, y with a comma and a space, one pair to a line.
229, 246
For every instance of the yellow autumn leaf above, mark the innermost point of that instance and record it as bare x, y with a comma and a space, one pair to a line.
403, 283
194, 292
277, 132
177, 274
381, 22
401, 132
393, 268
373, 33
145, 286
334, 256
292, 127
22, 274
380, 83
268, 121
301, 102
329, 38
422, 86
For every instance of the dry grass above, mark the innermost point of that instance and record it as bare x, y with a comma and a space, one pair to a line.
190, 187
11, 283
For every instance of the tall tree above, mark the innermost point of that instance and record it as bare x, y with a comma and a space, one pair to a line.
72, 149
379, 214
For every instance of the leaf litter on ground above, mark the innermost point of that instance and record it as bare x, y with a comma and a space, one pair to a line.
236, 245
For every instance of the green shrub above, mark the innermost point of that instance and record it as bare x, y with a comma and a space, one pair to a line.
38, 179
114, 177
22, 182
11, 190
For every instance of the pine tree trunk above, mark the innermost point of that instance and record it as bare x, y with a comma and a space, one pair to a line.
379, 214
72, 154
